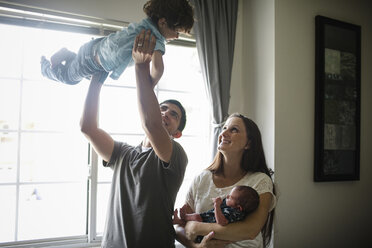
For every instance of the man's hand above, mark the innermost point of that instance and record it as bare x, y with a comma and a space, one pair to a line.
102, 142
157, 135
143, 47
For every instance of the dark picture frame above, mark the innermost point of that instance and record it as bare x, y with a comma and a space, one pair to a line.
337, 100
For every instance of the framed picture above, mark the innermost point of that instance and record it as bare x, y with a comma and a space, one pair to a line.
337, 100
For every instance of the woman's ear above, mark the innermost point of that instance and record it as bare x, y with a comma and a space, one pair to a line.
248, 145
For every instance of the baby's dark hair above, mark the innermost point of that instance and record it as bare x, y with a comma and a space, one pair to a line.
179, 14
249, 198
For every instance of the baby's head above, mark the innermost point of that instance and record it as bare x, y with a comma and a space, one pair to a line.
244, 198
178, 14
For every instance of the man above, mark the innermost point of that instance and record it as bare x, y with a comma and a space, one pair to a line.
146, 178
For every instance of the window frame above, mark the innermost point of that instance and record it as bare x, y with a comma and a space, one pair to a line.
31, 17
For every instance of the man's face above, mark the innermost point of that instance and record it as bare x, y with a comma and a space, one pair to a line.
171, 116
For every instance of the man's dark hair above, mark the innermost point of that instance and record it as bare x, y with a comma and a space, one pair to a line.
182, 124
177, 13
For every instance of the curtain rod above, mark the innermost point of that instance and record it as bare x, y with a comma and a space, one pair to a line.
105, 26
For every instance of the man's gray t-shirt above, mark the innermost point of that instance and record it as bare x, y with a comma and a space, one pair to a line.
142, 197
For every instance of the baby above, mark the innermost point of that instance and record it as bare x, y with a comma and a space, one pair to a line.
241, 201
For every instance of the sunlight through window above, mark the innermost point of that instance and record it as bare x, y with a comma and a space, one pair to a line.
45, 165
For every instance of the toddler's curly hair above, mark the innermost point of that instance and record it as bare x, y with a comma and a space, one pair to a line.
179, 14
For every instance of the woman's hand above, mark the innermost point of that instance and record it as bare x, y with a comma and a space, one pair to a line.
190, 230
209, 242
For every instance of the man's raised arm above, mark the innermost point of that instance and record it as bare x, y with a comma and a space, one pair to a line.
147, 102
102, 142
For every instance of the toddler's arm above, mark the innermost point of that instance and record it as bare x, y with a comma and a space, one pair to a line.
157, 67
220, 218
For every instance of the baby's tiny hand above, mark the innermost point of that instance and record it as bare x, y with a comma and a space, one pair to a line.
217, 201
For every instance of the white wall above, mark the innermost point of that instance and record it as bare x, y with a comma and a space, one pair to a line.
309, 214
252, 89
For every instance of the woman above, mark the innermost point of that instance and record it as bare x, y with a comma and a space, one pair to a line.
240, 160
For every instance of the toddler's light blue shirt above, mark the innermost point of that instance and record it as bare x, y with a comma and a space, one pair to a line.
115, 50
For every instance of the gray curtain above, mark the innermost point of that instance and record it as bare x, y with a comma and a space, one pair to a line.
215, 38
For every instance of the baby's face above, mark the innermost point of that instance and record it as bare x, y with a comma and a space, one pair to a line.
232, 198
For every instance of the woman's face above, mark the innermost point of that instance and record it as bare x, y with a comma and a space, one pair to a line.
233, 137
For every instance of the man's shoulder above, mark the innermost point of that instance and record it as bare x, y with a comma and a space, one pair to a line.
123, 148
177, 147
175, 142
124, 145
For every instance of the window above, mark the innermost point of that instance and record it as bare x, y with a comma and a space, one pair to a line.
52, 184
